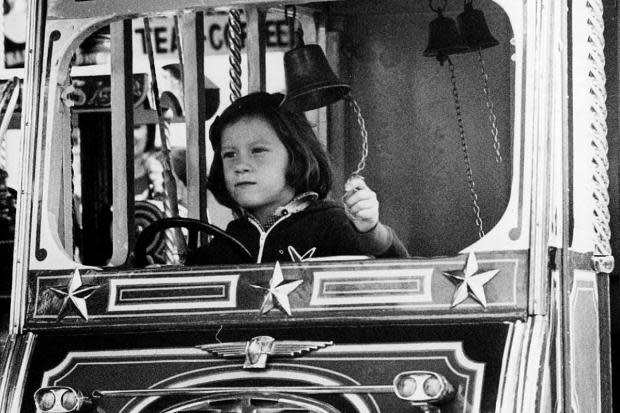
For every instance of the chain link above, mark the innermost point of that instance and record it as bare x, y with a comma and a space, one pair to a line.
234, 44
490, 107
468, 170
362, 124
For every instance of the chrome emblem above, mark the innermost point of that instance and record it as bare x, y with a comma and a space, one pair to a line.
257, 349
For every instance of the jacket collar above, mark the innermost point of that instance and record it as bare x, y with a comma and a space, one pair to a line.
295, 205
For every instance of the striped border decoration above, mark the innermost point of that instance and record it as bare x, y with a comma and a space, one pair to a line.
372, 286
173, 293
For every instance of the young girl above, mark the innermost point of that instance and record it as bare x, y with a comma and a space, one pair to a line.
270, 168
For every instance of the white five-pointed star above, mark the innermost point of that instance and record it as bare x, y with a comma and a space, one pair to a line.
472, 284
277, 293
74, 294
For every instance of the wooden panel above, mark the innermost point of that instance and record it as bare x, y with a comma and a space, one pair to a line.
256, 49
340, 291
341, 365
584, 370
123, 237
192, 34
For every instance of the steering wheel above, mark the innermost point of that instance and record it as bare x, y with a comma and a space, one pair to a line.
193, 226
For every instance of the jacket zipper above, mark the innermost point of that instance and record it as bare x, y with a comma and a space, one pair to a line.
263, 234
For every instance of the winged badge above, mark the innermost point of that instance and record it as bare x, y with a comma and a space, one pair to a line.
257, 349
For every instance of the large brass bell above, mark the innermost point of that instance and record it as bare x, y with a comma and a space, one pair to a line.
474, 29
310, 81
444, 39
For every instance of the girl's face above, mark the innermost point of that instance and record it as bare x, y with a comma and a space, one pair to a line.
255, 163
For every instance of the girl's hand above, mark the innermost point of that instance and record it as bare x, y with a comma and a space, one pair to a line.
360, 204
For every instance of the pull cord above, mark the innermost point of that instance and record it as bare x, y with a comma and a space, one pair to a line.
468, 170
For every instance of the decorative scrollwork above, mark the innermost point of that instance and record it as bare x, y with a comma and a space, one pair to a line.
93, 92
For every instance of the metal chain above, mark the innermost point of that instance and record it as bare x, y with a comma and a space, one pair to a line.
598, 127
468, 170
490, 107
362, 124
234, 44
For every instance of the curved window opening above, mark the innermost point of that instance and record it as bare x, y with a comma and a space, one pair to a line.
440, 130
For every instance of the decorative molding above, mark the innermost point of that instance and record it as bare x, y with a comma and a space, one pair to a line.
172, 293
385, 286
415, 289
339, 365
93, 92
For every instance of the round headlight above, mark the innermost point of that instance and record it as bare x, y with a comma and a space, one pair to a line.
45, 400
406, 386
432, 386
69, 400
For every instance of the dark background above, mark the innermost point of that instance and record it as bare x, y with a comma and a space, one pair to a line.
611, 69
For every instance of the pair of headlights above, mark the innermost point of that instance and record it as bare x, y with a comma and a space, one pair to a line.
417, 387
423, 387
59, 399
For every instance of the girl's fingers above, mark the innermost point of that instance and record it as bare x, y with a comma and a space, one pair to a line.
355, 183
365, 215
365, 205
360, 204
351, 198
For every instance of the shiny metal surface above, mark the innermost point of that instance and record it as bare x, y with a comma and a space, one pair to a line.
14, 366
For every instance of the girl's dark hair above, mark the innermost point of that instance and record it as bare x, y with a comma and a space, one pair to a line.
309, 168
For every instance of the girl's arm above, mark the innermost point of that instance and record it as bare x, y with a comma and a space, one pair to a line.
362, 208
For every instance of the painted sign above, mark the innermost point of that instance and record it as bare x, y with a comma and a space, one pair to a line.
164, 36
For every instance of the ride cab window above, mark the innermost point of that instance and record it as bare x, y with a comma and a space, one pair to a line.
426, 119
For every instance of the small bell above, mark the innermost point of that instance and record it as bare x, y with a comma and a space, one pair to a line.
474, 29
444, 39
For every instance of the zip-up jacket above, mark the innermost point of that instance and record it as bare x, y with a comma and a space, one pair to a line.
322, 229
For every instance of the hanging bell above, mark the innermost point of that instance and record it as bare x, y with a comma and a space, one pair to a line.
474, 29
310, 81
444, 39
